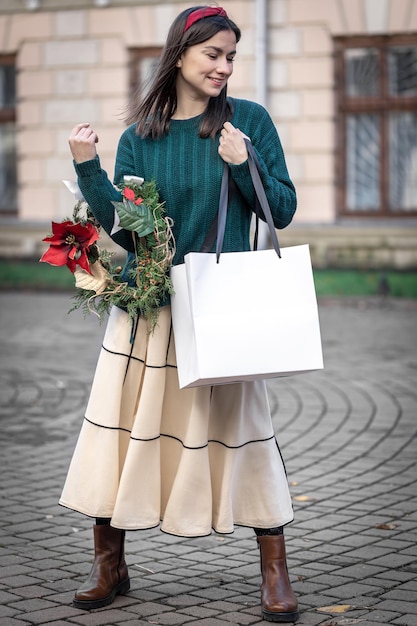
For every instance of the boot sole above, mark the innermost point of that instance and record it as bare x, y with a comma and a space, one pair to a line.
269, 616
120, 589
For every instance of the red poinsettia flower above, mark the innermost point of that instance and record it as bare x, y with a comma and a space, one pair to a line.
129, 194
69, 245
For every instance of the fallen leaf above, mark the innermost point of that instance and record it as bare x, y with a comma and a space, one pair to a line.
336, 608
303, 498
386, 526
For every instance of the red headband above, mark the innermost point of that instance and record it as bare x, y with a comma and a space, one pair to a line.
198, 14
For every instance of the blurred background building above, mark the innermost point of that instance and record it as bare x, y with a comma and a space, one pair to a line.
339, 78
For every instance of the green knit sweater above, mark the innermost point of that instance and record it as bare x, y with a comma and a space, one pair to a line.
188, 172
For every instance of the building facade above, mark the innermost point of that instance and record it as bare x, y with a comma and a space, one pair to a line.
339, 78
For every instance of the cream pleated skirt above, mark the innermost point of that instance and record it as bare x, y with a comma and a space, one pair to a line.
190, 460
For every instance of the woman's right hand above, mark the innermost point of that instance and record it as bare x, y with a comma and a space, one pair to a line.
82, 143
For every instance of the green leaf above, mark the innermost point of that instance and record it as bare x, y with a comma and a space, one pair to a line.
137, 218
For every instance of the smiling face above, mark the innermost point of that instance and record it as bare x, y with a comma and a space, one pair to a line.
205, 68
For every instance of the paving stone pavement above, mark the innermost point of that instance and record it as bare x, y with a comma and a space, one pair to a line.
348, 435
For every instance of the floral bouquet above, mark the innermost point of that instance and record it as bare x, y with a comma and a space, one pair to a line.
74, 243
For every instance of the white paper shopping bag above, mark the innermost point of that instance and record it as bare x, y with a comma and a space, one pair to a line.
251, 315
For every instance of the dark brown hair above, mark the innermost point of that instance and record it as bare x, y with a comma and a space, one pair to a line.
152, 114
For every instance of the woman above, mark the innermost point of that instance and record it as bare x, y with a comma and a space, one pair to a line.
149, 453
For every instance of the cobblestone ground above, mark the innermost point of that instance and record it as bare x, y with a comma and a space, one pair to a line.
348, 435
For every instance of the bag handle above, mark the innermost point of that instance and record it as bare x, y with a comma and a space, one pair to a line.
261, 202
225, 194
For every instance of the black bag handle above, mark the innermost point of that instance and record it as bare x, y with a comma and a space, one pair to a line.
227, 190
261, 203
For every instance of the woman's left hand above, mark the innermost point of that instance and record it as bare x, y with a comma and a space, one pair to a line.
232, 147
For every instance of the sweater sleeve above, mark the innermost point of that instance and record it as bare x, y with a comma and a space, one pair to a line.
278, 186
99, 192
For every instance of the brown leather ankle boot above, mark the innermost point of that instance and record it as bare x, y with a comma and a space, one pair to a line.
109, 575
278, 600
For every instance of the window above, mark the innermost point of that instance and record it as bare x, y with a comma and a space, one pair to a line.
8, 176
376, 80
142, 64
